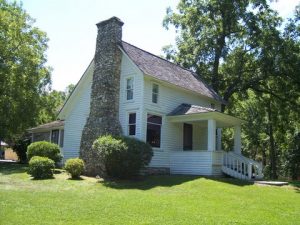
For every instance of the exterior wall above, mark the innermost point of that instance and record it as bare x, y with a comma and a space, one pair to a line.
171, 133
76, 118
191, 162
128, 70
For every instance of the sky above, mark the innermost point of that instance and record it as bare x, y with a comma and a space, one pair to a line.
70, 27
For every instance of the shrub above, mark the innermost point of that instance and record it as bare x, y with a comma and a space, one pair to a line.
74, 167
44, 149
41, 167
122, 157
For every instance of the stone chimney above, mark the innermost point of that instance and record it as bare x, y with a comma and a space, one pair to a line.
104, 107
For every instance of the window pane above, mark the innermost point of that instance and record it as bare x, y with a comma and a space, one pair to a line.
155, 88
129, 94
132, 118
153, 135
153, 119
129, 83
54, 136
132, 129
154, 98
62, 133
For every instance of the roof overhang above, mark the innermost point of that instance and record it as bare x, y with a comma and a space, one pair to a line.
55, 125
222, 119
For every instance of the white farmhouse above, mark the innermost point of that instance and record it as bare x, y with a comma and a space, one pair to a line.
158, 102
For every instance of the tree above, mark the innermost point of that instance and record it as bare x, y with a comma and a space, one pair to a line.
240, 48
24, 77
51, 103
221, 40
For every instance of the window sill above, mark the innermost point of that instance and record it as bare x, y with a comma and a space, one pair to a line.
129, 101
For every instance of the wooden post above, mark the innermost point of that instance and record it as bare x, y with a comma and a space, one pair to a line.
211, 135
237, 139
250, 171
219, 139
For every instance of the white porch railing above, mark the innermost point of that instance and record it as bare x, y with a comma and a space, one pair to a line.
241, 167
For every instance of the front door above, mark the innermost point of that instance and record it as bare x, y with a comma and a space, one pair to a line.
187, 136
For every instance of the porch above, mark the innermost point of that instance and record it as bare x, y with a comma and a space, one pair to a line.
201, 152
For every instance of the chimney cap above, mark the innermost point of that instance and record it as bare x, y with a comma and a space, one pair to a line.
112, 19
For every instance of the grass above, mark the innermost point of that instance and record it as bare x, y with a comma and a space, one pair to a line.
154, 200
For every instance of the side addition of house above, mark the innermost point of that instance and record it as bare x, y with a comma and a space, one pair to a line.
163, 104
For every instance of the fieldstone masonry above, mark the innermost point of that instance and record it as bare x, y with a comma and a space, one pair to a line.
104, 107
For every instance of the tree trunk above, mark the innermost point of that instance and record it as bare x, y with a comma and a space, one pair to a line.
273, 163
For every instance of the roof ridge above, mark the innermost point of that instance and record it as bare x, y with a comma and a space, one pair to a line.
162, 59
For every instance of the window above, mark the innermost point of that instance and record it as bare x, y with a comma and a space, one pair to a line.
132, 123
212, 105
154, 130
129, 88
154, 93
54, 136
61, 140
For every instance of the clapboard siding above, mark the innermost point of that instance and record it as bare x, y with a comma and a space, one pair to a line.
75, 122
191, 162
128, 69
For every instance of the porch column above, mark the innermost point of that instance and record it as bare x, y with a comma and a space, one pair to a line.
237, 139
219, 139
211, 135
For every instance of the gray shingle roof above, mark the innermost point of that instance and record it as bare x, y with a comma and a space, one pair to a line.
186, 109
164, 70
46, 126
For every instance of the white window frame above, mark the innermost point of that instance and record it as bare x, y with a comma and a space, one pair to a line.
153, 93
128, 124
161, 128
129, 89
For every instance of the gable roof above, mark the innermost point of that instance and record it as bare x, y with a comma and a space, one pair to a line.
167, 71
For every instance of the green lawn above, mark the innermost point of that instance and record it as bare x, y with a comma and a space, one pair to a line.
154, 200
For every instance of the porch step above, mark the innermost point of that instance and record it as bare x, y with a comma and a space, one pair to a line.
241, 167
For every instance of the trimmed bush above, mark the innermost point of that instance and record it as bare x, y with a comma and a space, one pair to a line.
121, 157
74, 167
41, 167
44, 149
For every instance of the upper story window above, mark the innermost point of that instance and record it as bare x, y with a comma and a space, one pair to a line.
154, 130
155, 90
132, 123
129, 88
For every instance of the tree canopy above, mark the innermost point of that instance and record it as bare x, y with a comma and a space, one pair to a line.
25, 80
24, 77
251, 57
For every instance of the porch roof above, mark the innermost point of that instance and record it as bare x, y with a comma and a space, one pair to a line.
47, 126
194, 113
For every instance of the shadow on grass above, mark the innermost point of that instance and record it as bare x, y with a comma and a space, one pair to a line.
231, 181
295, 184
75, 179
45, 178
8, 168
149, 182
